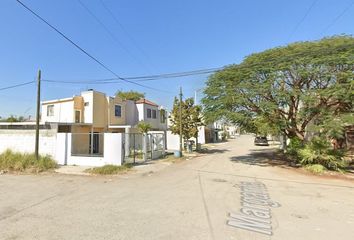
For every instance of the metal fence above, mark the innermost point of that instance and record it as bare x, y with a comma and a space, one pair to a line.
133, 147
87, 144
139, 148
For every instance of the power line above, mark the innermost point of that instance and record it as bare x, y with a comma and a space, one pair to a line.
110, 33
17, 85
302, 19
336, 18
82, 50
124, 30
140, 78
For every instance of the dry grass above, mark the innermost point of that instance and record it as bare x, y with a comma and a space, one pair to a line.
24, 162
171, 158
110, 169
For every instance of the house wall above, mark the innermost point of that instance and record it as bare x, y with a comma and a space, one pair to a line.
141, 112
132, 114
79, 106
173, 139
100, 111
24, 141
63, 112
112, 153
155, 123
113, 120
88, 106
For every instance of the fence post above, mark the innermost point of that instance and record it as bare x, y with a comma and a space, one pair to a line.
152, 146
144, 147
163, 144
134, 146
127, 143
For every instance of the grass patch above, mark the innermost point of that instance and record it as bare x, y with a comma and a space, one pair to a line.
110, 169
316, 168
171, 158
25, 162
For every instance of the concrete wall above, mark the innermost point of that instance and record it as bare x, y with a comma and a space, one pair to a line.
58, 145
24, 141
112, 153
172, 140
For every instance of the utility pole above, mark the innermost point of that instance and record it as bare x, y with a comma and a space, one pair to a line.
37, 113
180, 120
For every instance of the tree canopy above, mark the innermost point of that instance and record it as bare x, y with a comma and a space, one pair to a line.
286, 89
191, 118
130, 95
144, 127
13, 119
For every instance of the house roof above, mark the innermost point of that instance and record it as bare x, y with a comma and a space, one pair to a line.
58, 100
143, 100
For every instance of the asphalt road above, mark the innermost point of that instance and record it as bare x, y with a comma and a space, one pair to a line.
187, 200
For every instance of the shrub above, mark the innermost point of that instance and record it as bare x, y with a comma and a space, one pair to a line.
20, 162
109, 169
294, 147
319, 151
316, 168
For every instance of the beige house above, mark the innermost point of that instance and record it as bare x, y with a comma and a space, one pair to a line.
93, 111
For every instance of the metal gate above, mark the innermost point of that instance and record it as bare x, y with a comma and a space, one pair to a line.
138, 148
133, 148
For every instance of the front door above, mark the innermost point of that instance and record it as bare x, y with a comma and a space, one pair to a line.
96, 143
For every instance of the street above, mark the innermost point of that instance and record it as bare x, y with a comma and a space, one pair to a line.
202, 198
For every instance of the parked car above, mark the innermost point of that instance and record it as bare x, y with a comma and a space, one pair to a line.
261, 141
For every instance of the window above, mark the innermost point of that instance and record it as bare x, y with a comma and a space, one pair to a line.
162, 116
77, 116
117, 110
86, 104
154, 114
50, 110
148, 112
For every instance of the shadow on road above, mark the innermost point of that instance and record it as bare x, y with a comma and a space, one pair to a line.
211, 151
264, 158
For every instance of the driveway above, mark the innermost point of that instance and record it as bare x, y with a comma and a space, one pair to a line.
230, 193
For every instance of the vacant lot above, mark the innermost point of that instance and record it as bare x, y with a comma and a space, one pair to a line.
186, 200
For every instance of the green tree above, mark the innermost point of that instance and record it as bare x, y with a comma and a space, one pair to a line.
191, 118
130, 95
144, 127
13, 119
287, 88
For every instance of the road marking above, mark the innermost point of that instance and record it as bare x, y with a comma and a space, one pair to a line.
255, 214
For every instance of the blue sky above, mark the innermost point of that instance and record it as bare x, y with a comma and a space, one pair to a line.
169, 36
